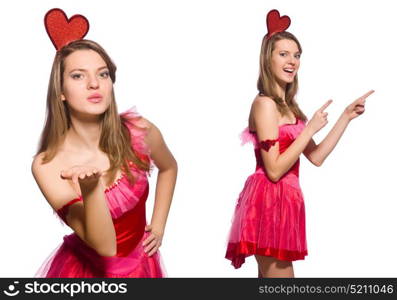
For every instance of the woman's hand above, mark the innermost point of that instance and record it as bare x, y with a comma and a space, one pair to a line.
87, 177
319, 119
153, 242
357, 107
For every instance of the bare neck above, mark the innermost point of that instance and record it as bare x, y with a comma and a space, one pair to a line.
83, 135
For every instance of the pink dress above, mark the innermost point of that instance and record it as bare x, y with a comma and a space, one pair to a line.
269, 217
126, 202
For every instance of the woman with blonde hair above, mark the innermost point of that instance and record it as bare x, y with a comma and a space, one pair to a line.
92, 166
269, 218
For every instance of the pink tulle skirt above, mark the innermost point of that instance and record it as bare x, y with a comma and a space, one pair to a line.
73, 258
269, 220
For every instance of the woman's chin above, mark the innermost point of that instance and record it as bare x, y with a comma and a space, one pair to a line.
284, 81
289, 79
90, 112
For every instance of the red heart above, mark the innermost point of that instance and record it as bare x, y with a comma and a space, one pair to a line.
275, 23
62, 30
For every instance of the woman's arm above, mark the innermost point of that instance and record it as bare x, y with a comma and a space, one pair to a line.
266, 124
166, 179
318, 153
90, 220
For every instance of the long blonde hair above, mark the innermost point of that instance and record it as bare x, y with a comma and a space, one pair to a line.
115, 138
267, 83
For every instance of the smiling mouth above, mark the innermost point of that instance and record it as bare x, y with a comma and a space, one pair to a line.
289, 70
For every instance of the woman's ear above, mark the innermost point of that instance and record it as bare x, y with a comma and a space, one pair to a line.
63, 97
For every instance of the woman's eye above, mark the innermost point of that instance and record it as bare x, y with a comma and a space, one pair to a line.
283, 54
105, 74
76, 76
298, 56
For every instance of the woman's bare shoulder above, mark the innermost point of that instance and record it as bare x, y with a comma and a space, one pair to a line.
145, 123
266, 102
38, 164
41, 166
262, 106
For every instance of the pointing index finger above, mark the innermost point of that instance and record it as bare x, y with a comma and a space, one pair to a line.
367, 94
325, 105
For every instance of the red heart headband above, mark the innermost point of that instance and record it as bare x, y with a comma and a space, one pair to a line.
275, 23
62, 30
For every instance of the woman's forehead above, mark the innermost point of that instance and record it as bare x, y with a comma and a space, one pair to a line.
287, 45
84, 59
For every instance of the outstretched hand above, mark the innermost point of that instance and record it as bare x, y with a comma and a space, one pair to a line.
357, 107
85, 176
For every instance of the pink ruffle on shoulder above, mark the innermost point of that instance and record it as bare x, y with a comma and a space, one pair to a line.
287, 132
138, 127
247, 137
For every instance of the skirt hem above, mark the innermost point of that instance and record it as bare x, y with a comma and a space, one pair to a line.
237, 252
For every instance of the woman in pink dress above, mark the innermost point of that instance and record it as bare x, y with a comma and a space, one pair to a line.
269, 218
92, 167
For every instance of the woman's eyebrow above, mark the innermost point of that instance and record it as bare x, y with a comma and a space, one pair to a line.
297, 52
84, 70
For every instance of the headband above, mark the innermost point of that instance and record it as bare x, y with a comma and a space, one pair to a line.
275, 23
62, 30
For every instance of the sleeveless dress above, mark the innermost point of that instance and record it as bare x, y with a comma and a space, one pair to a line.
269, 218
126, 202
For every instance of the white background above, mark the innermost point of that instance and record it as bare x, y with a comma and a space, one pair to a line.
191, 68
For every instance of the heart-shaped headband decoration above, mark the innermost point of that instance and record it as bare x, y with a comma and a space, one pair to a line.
275, 23
62, 30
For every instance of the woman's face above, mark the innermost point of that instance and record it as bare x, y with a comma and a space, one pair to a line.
285, 61
87, 86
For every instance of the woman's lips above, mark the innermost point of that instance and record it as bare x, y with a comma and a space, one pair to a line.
95, 98
289, 72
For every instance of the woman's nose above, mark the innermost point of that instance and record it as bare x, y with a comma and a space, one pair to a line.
292, 60
93, 82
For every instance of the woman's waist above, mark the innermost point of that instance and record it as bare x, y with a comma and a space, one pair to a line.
129, 228
291, 177
293, 170
106, 264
